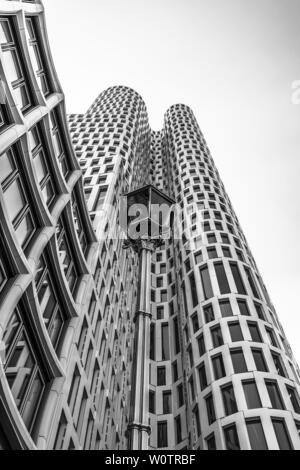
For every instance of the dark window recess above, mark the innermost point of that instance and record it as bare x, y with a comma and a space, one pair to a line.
238, 279
231, 438
256, 434
222, 278
238, 361
251, 394
206, 283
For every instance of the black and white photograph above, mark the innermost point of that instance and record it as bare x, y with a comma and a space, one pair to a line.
149, 228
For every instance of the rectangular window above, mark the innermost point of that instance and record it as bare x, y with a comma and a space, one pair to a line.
202, 376
161, 376
294, 397
36, 55
197, 420
251, 394
218, 366
25, 373
180, 395
178, 429
235, 332
229, 400
211, 416
231, 438
58, 144
61, 432
225, 307
217, 338
201, 345
259, 360
14, 65
167, 402
206, 283
74, 390
82, 412
162, 434
175, 371
152, 341
195, 323
211, 442
256, 434
282, 435
222, 278
243, 307
278, 364
238, 361
238, 279
66, 255
208, 313
151, 401
17, 197
272, 337
193, 289
252, 282
254, 332
274, 395
165, 350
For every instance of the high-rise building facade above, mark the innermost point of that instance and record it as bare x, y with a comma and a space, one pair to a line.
221, 371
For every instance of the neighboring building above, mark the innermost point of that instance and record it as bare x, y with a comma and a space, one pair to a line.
222, 375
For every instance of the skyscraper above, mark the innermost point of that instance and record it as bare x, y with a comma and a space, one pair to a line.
221, 371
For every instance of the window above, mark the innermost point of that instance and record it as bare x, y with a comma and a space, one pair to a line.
211, 416
211, 442
82, 412
201, 345
161, 376
282, 435
259, 360
52, 313
259, 310
195, 323
36, 56
159, 313
212, 253
58, 144
274, 395
254, 332
100, 199
243, 306
79, 224
25, 374
193, 290
229, 401
165, 350
197, 420
164, 296
152, 341
206, 283
66, 256
256, 434
218, 366
225, 307
278, 364
217, 338
175, 371
252, 282
16, 197
226, 251
235, 332
231, 438
61, 432
167, 402
202, 376
151, 401
180, 395
89, 432
208, 313
238, 361
162, 434
178, 429
13, 65
251, 394
42, 169
238, 279
222, 278
272, 337
294, 397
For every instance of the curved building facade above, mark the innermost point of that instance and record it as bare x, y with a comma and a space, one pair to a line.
221, 371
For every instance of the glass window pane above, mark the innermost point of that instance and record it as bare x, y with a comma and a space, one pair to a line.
256, 435
251, 395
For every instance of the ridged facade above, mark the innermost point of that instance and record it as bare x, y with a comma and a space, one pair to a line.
222, 374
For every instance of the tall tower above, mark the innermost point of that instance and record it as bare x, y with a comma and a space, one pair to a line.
221, 372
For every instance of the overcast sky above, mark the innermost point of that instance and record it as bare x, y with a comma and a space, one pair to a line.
234, 62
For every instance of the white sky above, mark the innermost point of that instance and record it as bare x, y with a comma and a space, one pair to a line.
233, 62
